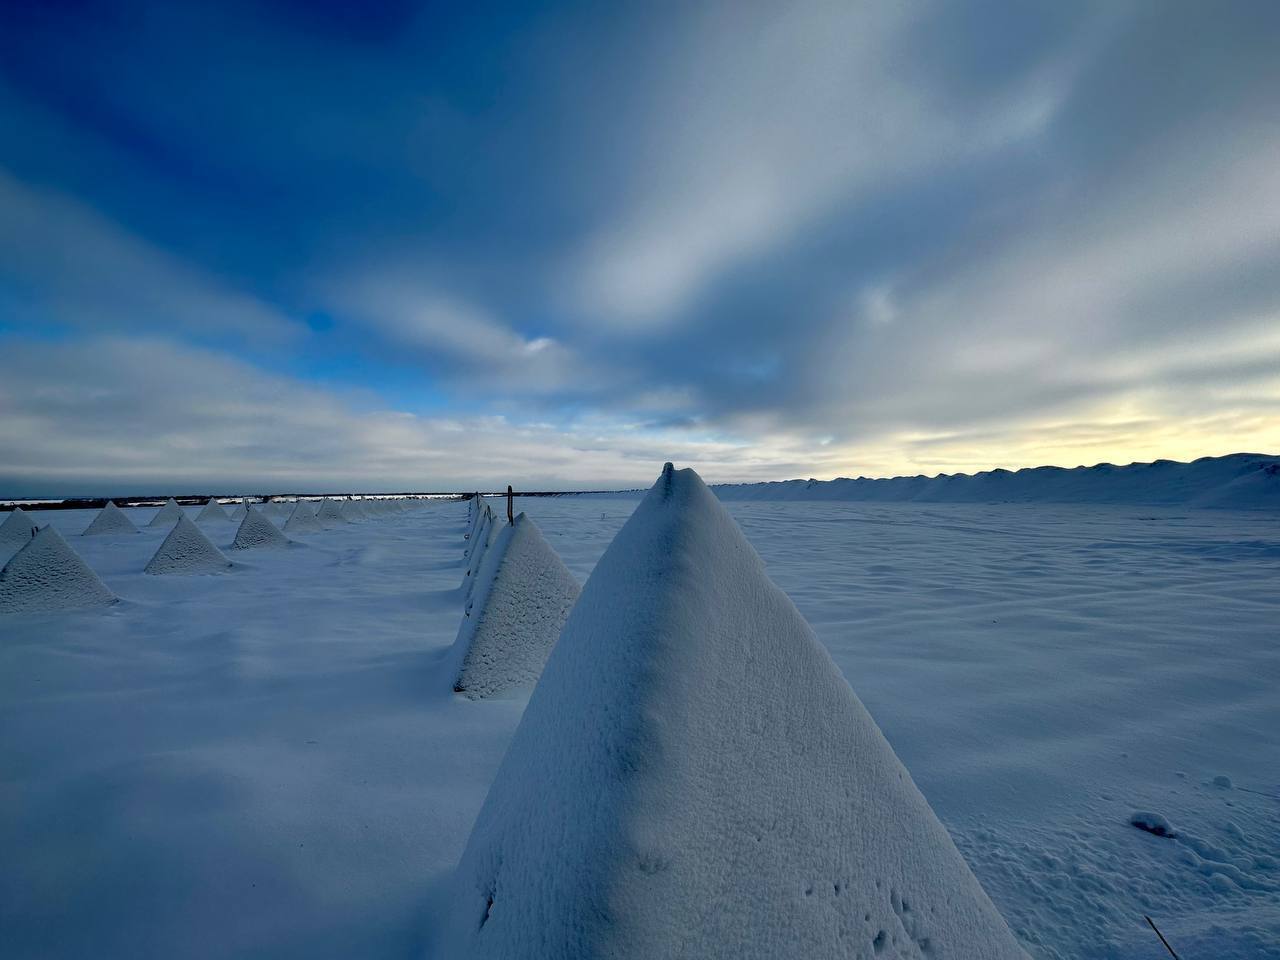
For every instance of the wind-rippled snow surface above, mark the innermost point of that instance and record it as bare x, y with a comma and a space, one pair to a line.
269, 762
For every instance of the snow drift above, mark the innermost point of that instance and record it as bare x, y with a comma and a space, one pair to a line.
110, 519
694, 777
257, 531
187, 551
212, 510
523, 593
166, 515
17, 528
47, 574
1239, 481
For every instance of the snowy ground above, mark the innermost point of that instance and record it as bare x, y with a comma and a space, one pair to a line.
270, 762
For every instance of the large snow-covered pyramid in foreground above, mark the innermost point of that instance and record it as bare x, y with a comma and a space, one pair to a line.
166, 515
693, 777
257, 531
212, 510
17, 528
110, 519
186, 550
522, 596
47, 574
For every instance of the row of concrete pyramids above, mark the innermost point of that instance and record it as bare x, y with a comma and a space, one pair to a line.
47, 574
692, 776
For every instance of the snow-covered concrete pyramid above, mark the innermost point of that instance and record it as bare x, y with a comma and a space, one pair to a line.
166, 515
240, 510
212, 511
186, 550
351, 510
257, 531
693, 777
47, 574
330, 512
17, 528
110, 519
302, 519
522, 596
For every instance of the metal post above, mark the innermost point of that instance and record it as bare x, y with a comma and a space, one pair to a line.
511, 518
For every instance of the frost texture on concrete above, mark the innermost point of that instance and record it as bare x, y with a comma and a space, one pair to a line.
212, 511
302, 519
17, 528
110, 519
167, 515
329, 513
693, 777
187, 551
257, 531
47, 574
523, 594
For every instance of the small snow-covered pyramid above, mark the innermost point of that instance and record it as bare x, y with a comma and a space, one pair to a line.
351, 510
241, 509
166, 515
330, 512
186, 550
693, 777
212, 511
302, 519
17, 528
257, 531
523, 594
47, 574
110, 519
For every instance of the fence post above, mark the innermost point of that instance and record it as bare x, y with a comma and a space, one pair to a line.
510, 496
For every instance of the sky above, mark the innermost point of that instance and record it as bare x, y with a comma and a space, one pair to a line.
308, 246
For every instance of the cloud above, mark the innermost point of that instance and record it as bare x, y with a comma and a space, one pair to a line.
60, 260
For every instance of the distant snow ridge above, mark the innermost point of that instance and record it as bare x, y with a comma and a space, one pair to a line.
523, 595
330, 513
212, 511
1243, 481
302, 519
693, 777
110, 519
187, 551
17, 528
47, 574
166, 515
257, 531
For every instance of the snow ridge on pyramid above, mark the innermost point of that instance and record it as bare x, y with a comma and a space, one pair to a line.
212, 510
166, 515
110, 519
17, 528
257, 531
478, 546
693, 777
522, 596
46, 574
330, 512
302, 519
187, 551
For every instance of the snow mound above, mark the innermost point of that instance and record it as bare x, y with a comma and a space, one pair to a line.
17, 528
47, 574
302, 519
242, 508
212, 511
694, 777
257, 531
166, 515
186, 551
522, 597
330, 512
110, 519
